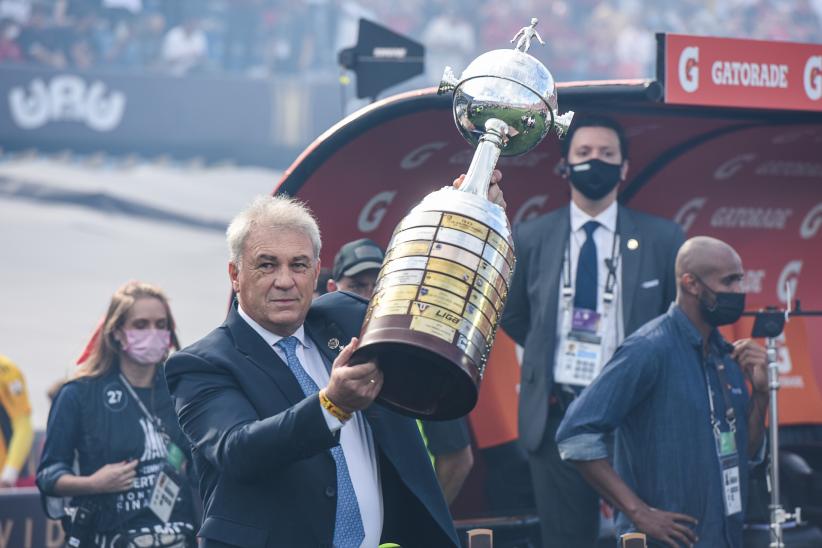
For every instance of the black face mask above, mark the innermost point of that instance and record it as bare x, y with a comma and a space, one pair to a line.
594, 178
726, 308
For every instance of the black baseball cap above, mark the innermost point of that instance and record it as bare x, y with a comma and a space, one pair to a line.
357, 256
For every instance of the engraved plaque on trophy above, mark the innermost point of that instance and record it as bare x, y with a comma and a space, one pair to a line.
443, 284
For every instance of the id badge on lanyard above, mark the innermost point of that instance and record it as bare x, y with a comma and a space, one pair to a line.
164, 495
580, 352
580, 357
731, 486
726, 449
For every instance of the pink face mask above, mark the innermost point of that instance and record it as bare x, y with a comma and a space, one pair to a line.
147, 346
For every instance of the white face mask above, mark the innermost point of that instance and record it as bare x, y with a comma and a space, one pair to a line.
147, 346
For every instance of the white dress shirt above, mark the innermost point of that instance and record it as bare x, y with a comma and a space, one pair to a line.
611, 327
355, 435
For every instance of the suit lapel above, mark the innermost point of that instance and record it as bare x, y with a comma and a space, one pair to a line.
631, 249
255, 349
328, 337
552, 257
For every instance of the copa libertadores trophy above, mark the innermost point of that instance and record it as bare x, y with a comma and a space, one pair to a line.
444, 281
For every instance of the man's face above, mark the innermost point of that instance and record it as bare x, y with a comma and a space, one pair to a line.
718, 270
596, 143
276, 277
590, 143
362, 284
726, 276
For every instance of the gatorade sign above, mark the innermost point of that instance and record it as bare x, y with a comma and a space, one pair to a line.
727, 72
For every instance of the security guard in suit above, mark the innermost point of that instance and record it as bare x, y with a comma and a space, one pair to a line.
587, 275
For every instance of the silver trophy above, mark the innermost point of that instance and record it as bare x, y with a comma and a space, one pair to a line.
443, 285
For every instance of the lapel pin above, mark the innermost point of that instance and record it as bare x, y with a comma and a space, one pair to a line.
633, 244
333, 343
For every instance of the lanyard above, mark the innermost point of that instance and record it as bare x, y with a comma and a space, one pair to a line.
730, 414
174, 456
610, 281
150, 416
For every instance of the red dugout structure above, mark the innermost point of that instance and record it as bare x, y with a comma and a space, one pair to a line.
722, 159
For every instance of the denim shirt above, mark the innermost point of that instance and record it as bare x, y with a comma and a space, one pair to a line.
653, 395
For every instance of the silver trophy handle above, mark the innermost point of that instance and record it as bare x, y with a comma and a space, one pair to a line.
478, 179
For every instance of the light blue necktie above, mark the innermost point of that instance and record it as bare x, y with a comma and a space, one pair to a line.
348, 529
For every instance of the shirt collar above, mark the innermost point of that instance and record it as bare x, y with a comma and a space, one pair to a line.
272, 338
715, 339
606, 218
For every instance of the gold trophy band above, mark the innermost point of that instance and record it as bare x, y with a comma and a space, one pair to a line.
447, 273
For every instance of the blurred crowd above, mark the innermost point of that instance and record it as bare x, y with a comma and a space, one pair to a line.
586, 39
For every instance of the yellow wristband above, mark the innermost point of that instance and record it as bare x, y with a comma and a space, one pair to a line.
332, 408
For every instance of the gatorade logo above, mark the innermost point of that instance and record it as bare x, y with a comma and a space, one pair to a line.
813, 77
788, 281
730, 167
811, 223
530, 208
687, 214
689, 69
421, 155
374, 211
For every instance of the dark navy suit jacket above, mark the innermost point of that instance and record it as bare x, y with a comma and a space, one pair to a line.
261, 447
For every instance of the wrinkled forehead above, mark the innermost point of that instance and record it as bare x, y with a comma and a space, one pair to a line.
282, 242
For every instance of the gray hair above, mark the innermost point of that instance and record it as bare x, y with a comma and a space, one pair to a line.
281, 212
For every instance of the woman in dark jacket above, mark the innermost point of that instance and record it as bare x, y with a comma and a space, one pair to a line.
113, 445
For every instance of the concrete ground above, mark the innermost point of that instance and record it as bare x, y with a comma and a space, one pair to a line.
73, 230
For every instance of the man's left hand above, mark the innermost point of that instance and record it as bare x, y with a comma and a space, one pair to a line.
753, 359
494, 191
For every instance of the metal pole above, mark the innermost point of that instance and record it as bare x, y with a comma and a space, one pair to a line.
769, 324
777, 513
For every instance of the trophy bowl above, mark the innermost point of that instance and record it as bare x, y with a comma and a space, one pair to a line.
508, 85
442, 287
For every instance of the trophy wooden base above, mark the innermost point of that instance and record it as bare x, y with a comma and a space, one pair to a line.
424, 376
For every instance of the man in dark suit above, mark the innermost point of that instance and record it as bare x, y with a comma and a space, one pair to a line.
289, 449
587, 275
282, 462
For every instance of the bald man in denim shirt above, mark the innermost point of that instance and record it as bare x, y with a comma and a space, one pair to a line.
686, 427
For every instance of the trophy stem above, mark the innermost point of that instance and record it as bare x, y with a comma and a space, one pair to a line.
485, 158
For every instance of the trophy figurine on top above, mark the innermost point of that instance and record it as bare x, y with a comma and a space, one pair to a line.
444, 281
